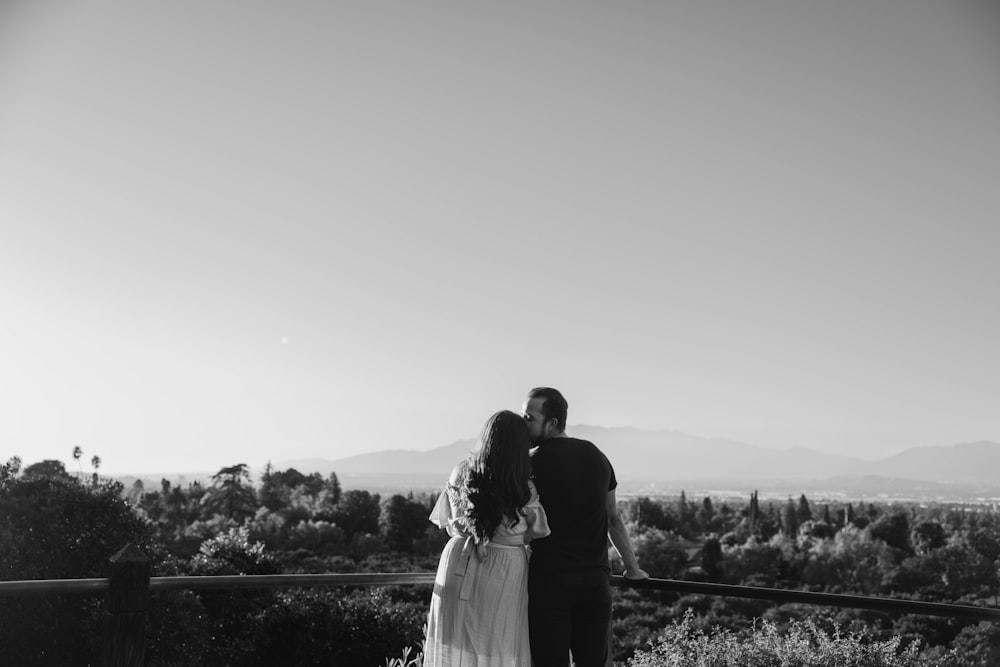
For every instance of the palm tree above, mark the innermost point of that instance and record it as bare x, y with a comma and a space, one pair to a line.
96, 462
77, 453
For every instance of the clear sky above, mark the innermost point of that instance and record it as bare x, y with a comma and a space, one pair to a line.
240, 231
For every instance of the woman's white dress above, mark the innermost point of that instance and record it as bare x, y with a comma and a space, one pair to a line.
479, 610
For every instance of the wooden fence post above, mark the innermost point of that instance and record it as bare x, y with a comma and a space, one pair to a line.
125, 619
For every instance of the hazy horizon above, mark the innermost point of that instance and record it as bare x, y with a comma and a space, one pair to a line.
609, 446
249, 231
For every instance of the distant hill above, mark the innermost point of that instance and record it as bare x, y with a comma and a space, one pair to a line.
437, 461
669, 457
653, 462
965, 463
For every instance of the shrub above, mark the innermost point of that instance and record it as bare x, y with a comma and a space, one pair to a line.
804, 644
304, 627
406, 661
325, 628
54, 527
231, 616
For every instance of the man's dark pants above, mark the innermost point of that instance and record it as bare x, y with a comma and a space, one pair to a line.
569, 611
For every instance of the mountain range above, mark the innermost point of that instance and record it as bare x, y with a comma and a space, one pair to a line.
652, 459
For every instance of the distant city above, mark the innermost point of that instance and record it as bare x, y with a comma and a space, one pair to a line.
663, 463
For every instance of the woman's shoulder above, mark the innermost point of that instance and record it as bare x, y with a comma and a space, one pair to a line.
459, 473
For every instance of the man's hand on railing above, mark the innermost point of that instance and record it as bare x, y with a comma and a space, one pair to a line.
635, 574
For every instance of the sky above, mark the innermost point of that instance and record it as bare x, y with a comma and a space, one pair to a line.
251, 231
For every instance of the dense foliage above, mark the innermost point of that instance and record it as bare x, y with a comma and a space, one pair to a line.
57, 525
802, 644
54, 527
938, 552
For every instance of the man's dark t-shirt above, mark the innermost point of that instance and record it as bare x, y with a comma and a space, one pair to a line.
573, 478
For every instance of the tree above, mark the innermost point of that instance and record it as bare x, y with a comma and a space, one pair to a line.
817, 530
650, 513
268, 495
53, 527
790, 519
859, 561
279, 488
95, 461
986, 541
229, 612
978, 645
333, 489
661, 553
927, 536
917, 574
276, 487
769, 523
231, 494
687, 519
77, 453
357, 512
136, 492
48, 468
894, 530
848, 514
401, 521
175, 509
9, 470
706, 512
711, 559
965, 571
803, 512
314, 485
754, 563
753, 514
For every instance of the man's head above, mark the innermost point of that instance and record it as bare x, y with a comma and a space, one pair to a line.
545, 412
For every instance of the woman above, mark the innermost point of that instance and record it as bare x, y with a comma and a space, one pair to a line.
479, 610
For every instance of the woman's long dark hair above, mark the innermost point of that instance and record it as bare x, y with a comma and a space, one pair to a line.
497, 482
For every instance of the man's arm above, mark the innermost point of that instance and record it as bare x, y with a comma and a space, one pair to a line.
619, 538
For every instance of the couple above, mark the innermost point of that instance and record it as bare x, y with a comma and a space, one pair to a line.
493, 606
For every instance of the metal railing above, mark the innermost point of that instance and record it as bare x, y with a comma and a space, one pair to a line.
820, 599
129, 586
230, 582
236, 582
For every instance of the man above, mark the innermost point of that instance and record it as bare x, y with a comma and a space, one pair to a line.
569, 593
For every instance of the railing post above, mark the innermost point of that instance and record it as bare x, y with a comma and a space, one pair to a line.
125, 619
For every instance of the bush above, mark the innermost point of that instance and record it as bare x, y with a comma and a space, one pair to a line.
231, 616
804, 644
54, 528
272, 628
57, 528
976, 646
406, 660
325, 628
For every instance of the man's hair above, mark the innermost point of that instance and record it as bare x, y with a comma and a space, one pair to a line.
554, 406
